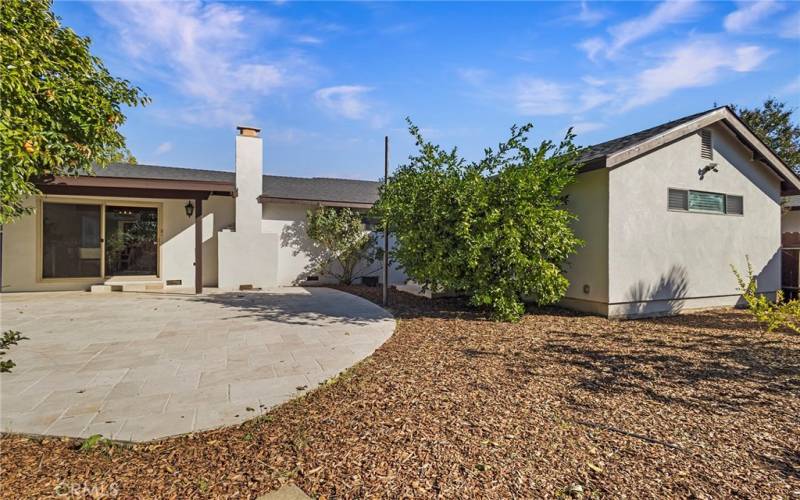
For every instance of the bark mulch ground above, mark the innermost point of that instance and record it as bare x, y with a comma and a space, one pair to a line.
454, 405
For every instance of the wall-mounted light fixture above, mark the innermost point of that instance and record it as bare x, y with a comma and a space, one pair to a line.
189, 209
711, 167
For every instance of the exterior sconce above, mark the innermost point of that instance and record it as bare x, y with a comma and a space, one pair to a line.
189, 209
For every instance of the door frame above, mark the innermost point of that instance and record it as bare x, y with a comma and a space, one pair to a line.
102, 203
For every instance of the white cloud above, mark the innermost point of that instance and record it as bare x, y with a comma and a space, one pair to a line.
473, 76
535, 96
593, 47
696, 64
792, 87
207, 52
623, 34
790, 27
345, 100
750, 14
584, 127
308, 40
163, 148
589, 16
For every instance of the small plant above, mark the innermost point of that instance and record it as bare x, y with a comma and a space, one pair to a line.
93, 442
772, 315
10, 337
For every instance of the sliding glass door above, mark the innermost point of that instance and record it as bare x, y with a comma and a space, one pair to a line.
97, 240
71, 240
131, 241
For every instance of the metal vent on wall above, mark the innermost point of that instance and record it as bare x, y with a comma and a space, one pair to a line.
706, 150
678, 199
734, 205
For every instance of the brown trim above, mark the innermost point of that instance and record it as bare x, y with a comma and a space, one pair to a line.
119, 192
138, 183
593, 164
663, 138
305, 201
761, 152
198, 245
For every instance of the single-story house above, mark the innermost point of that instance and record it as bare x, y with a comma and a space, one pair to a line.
664, 213
141, 226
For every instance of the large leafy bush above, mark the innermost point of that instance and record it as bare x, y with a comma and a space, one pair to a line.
496, 229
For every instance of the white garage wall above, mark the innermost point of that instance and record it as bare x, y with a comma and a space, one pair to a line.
588, 200
662, 261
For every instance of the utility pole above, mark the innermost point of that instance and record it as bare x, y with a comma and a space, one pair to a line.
385, 225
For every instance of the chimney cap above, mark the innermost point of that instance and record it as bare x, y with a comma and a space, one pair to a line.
248, 131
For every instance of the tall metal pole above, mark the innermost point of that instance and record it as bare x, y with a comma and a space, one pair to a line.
385, 225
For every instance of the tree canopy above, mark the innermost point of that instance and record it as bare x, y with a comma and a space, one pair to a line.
773, 124
61, 108
496, 229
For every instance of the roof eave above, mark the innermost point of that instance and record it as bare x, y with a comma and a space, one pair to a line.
310, 201
738, 127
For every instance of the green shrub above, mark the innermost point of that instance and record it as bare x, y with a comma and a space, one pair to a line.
772, 315
9, 338
496, 229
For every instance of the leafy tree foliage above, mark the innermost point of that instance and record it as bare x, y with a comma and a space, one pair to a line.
61, 109
346, 248
496, 229
773, 124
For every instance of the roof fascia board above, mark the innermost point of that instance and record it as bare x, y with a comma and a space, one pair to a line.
766, 153
722, 114
304, 201
664, 138
138, 183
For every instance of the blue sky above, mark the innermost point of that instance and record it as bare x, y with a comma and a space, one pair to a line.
326, 81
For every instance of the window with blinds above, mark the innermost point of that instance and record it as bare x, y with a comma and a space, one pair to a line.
686, 200
707, 202
706, 149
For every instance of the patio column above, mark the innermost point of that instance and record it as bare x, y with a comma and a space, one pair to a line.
198, 245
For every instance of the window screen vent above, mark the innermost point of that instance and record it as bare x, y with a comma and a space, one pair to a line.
706, 151
734, 205
678, 199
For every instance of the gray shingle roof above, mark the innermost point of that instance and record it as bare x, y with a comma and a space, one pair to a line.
604, 149
274, 186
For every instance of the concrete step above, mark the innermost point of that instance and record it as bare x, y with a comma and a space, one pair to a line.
129, 284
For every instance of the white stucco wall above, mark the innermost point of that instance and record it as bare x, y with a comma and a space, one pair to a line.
288, 221
176, 255
295, 250
665, 261
588, 200
177, 248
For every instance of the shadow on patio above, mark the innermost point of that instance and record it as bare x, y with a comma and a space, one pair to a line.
299, 306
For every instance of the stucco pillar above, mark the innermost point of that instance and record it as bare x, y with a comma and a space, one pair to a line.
249, 152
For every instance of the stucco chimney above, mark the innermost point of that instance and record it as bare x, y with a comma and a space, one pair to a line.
249, 153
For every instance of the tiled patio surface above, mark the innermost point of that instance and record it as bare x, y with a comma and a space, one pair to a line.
142, 366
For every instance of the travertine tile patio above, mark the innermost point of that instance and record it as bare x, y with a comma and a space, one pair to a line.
143, 366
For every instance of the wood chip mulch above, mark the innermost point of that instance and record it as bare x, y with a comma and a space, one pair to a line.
456, 406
